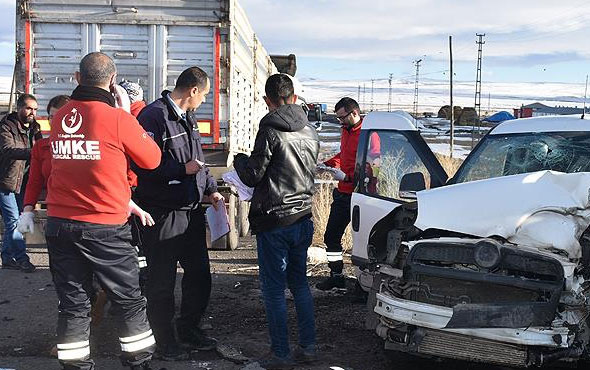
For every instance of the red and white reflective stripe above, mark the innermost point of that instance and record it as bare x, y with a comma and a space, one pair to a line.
334, 256
137, 342
73, 351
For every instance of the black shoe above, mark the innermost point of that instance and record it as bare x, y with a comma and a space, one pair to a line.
10, 265
170, 352
271, 361
26, 266
305, 355
334, 281
195, 339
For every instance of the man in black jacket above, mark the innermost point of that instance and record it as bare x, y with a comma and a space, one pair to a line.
172, 193
281, 168
18, 131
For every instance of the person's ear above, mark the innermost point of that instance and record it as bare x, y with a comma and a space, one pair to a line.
77, 77
194, 91
268, 102
294, 100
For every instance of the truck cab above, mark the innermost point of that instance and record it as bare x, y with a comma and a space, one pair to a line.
490, 265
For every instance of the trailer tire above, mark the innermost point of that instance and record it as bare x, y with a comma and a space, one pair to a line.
233, 238
243, 209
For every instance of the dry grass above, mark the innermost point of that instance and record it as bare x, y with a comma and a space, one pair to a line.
451, 165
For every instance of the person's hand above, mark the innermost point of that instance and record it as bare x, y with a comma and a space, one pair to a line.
215, 198
26, 223
121, 98
145, 217
338, 174
192, 167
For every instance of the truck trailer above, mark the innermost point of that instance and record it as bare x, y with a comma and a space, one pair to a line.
152, 42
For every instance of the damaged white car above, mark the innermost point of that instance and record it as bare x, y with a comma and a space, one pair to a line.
492, 265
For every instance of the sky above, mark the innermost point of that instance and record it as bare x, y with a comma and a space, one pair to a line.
526, 40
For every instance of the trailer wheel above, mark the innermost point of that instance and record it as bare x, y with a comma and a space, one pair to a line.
233, 238
243, 209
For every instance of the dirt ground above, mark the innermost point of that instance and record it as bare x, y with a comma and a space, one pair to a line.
236, 318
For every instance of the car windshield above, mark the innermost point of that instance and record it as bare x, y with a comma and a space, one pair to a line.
503, 155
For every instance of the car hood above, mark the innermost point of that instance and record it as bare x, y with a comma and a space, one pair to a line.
544, 210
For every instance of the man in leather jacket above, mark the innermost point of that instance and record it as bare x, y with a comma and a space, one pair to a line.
18, 132
281, 168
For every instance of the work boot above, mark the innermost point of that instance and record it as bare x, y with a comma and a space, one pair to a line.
170, 352
334, 281
195, 338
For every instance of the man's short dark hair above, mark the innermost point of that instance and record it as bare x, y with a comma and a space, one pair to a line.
191, 77
57, 102
349, 104
22, 100
96, 69
279, 87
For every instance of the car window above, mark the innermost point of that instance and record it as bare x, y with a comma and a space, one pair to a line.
389, 156
503, 155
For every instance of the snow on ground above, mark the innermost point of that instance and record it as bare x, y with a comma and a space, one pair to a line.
435, 93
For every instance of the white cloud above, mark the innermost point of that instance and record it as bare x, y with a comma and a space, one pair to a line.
394, 29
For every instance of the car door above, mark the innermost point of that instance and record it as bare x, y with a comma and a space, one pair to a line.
390, 146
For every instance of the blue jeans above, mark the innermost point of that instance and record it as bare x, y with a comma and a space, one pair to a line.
282, 257
13, 243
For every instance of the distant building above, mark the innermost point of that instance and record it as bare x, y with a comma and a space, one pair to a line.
538, 109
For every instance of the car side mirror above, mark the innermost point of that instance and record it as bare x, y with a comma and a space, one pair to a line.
410, 184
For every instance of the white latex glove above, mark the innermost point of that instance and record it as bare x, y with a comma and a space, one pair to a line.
26, 223
338, 174
121, 98
146, 218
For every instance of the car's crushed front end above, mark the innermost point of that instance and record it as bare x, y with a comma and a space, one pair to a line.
493, 271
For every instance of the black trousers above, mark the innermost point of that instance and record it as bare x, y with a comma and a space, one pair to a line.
77, 251
337, 222
177, 236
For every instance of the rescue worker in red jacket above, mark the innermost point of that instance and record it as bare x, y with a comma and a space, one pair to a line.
348, 113
88, 198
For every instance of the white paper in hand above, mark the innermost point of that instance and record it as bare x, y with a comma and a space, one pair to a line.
244, 192
218, 220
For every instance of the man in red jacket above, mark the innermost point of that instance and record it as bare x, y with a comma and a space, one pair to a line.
348, 113
87, 232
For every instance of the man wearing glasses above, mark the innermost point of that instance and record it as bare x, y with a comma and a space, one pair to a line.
348, 113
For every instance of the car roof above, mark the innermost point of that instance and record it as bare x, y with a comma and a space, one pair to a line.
543, 124
397, 120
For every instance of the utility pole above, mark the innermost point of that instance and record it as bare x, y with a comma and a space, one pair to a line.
416, 89
477, 105
358, 94
451, 96
364, 95
389, 99
372, 87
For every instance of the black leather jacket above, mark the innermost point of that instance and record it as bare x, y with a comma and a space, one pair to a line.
281, 168
16, 142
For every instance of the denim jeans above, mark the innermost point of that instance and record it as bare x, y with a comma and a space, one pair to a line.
13, 243
282, 257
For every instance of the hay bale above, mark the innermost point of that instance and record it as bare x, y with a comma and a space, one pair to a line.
445, 111
468, 117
